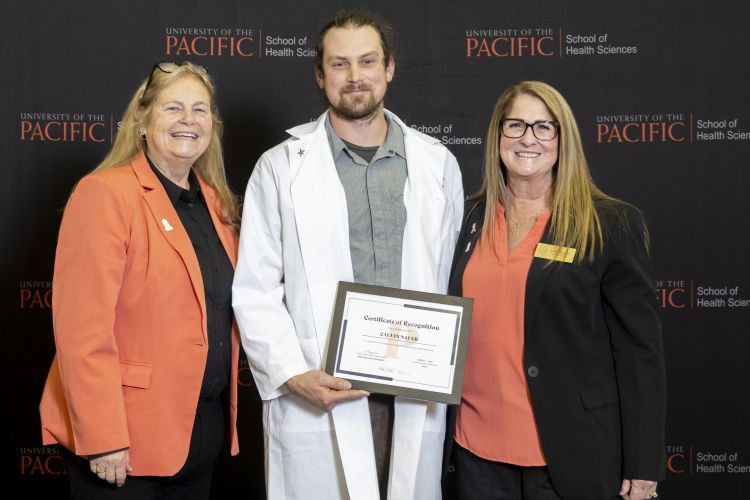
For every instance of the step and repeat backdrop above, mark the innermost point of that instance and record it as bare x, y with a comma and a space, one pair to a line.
659, 89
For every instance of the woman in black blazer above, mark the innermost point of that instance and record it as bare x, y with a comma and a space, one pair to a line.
564, 391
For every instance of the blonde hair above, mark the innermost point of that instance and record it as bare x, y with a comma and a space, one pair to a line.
130, 141
574, 222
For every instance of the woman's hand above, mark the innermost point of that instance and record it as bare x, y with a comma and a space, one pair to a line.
638, 489
113, 467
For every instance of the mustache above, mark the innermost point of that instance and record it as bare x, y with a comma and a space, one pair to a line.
352, 87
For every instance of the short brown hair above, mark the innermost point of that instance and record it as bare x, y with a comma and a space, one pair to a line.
356, 19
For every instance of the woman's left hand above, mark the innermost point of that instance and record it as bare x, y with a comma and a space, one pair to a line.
638, 489
112, 467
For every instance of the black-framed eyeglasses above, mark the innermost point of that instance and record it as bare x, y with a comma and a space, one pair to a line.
168, 67
545, 130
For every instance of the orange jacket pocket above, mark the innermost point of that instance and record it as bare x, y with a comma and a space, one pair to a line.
135, 374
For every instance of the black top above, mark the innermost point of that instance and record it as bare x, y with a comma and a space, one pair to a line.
217, 273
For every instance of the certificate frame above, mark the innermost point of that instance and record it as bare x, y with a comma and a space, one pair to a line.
447, 352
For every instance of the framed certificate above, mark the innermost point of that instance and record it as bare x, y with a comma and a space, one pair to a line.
400, 342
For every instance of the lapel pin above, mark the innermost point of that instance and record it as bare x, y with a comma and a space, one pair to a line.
166, 224
300, 152
468, 247
473, 228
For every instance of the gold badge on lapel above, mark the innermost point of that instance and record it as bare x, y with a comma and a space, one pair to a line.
554, 252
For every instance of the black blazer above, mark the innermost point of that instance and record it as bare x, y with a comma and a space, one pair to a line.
593, 358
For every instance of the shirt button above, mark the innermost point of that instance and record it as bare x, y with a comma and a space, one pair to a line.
533, 371
218, 306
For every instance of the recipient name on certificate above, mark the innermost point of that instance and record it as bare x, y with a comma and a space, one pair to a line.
400, 342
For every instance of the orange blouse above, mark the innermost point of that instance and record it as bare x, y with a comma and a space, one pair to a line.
495, 419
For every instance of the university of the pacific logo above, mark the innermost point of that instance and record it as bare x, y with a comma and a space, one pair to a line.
63, 127
642, 128
210, 42
527, 42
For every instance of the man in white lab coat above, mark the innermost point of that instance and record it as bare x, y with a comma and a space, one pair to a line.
354, 196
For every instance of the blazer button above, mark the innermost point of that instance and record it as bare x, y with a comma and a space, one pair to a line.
533, 371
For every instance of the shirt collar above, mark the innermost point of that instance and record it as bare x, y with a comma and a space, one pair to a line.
176, 193
393, 144
337, 145
394, 139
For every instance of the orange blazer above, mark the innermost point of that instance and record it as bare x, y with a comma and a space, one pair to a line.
129, 316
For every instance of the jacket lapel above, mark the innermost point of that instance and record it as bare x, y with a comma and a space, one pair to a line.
170, 227
538, 274
539, 271
467, 241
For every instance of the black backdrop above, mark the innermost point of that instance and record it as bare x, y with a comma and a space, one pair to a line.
659, 90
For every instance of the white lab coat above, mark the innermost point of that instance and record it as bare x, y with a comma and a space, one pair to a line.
294, 249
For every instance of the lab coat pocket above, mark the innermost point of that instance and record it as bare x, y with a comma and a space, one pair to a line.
311, 467
306, 442
302, 427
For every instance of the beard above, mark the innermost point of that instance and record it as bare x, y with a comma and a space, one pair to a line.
350, 107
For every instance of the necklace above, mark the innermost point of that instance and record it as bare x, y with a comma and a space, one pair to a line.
517, 230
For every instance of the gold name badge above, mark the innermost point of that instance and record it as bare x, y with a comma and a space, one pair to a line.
554, 252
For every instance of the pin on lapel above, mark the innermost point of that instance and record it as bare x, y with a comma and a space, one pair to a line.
473, 228
167, 225
468, 247
300, 152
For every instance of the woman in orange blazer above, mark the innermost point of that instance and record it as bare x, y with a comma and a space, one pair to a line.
144, 382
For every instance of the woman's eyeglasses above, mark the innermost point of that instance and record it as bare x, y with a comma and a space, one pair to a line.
168, 67
514, 128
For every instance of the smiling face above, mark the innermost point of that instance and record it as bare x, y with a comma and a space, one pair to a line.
527, 157
179, 124
354, 76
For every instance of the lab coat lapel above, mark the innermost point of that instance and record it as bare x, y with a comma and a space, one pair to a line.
321, 217
322, 222
354, 438
425, 206
408, 426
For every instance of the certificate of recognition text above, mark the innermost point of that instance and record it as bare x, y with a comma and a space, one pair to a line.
399, 342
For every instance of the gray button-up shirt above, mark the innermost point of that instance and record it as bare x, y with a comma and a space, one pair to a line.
375, 205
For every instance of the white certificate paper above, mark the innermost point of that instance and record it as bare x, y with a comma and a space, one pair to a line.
400, 342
